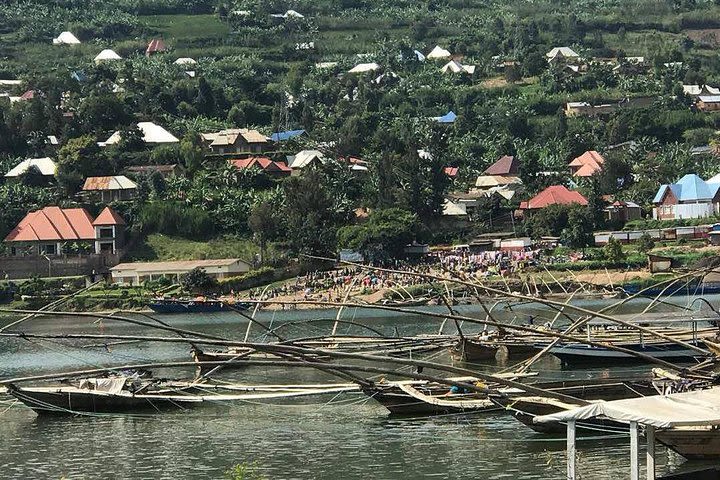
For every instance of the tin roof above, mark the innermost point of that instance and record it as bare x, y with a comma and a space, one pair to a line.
54, 223
554, 195
118, 182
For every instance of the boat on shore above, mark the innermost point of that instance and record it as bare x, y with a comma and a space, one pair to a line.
197, 305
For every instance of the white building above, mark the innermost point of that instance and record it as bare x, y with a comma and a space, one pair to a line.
138, 272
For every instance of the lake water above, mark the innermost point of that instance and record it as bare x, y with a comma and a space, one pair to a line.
348, 437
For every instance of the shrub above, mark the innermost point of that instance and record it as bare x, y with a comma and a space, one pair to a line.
176, 219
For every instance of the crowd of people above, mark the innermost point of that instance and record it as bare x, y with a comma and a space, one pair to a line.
333, 285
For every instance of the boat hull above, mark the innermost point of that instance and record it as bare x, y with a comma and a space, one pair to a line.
693, 444
582, 354
73, 403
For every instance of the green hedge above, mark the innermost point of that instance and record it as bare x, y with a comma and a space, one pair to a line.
252, 279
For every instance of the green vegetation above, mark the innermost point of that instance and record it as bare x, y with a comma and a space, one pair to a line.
163, 248
261, 70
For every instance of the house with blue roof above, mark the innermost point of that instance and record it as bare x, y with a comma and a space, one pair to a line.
690, 197
287, 135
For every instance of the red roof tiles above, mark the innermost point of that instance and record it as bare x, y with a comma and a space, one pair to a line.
587, 164
108, 217
506, 165
54, 223
264, 163
554, 195
61, 224
451, 171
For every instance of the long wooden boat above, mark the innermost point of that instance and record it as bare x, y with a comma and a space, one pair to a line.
428, 398
175, 305
95, 396
526, 408
694, 443
582, 354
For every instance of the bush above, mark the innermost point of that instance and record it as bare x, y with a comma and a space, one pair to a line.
197, 280
176, 219
252, 279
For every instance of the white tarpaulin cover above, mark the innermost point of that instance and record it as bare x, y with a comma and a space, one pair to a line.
112, 385
697, 408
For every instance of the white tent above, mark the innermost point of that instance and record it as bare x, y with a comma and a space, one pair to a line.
45, 165
107, 54
438, 53
66, 38
185, 61
364, 67
688, 409
152, 133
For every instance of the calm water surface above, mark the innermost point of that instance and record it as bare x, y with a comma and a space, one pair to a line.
325, 438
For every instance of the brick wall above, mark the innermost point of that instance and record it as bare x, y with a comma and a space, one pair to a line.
58, 266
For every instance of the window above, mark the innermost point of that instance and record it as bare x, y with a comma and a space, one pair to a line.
106, 232
49, 249
107, 247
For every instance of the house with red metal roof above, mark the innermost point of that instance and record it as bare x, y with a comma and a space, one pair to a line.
51, 230
156, 45
587, 164
553, 195
507, 165
279, 169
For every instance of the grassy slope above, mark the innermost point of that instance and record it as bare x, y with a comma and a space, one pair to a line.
162, 247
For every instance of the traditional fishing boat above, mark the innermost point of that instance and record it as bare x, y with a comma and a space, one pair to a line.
571, 354
119, 394
197, 305
689, 289
525, 408
430, 398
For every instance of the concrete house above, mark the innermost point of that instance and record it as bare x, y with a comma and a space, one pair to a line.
502, 177
690, 197
236, 140
49, 231
138, 272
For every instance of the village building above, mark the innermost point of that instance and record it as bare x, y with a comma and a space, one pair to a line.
500, 178
50, 230
453, 66
107, 55
438, 53
66, 38
152, 133
553, 195
690, 197
236, 141
264, 164
166, 171
185, 61
562, 55
622, 211
138, 272
305, 159
449, 117
286, 135
364, 68
708, 103
697, 90
587, 164
116, 188
45, 167
156, 45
